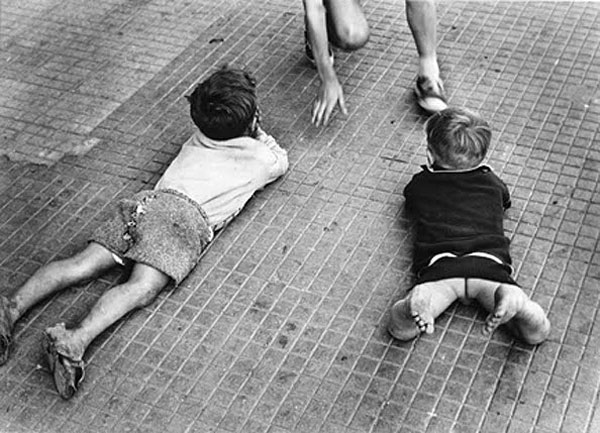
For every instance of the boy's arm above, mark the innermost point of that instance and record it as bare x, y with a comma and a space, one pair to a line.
281, 160
330, 91
506, 203
408, 189
505, 195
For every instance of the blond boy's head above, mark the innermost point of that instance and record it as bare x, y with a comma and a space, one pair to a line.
457, 139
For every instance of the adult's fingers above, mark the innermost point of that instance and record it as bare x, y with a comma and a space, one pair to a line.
318, 110
328, 111
342, 104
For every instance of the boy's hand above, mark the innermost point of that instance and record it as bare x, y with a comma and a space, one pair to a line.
330, 94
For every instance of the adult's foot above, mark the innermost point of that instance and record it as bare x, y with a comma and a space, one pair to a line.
430, 94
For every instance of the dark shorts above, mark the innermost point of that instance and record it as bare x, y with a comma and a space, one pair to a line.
466, 267
162, 228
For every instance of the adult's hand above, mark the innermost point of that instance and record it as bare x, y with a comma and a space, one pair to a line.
330, 94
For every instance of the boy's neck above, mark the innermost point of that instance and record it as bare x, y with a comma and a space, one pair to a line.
437, 167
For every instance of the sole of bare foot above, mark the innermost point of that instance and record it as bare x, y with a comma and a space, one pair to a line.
401, 325
420, 310
528, 318
67, 371
508, 301
6, 341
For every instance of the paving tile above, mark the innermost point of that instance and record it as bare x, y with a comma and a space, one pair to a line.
281, 328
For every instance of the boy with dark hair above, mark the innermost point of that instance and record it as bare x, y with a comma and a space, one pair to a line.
164, 231
460, 249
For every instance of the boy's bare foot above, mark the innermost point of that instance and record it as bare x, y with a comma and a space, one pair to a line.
420, 309
411, 316
65, 361
401, 325
6, 328
530, 321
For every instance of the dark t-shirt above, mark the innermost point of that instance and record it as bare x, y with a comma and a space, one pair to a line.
458, 212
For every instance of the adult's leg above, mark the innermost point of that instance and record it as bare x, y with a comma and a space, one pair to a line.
508, 304
421, 17
48, 279
417, 312
346, 23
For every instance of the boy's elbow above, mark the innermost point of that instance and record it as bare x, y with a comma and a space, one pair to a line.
285, 165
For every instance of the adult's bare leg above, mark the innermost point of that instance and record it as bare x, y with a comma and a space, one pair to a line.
346, 24
421, 17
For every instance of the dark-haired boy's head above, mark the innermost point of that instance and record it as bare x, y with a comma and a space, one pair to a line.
224, 105
457, 138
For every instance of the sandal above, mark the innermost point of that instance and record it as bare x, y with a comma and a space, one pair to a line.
309, 52
430, 95
6, 341
68, 373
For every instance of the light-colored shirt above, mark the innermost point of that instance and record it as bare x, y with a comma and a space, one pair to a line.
222, 175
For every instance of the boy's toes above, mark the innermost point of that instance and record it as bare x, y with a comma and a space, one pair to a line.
420, 309
423, 324
492, 322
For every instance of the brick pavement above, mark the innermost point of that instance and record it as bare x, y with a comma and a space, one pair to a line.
281, 327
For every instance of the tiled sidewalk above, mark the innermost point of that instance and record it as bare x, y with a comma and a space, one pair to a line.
281, 328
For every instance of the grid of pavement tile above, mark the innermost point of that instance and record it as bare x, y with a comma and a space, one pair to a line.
281, 327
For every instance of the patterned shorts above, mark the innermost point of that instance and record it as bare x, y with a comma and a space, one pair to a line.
160, 228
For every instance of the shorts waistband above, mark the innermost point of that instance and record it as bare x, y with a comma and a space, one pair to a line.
184, 197
481, 254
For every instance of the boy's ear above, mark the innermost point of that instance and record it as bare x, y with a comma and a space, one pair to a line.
430, 157
253, 127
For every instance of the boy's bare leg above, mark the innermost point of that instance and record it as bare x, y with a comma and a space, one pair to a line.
140, 290
417, 312
508, 304
48, 279
65, 347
